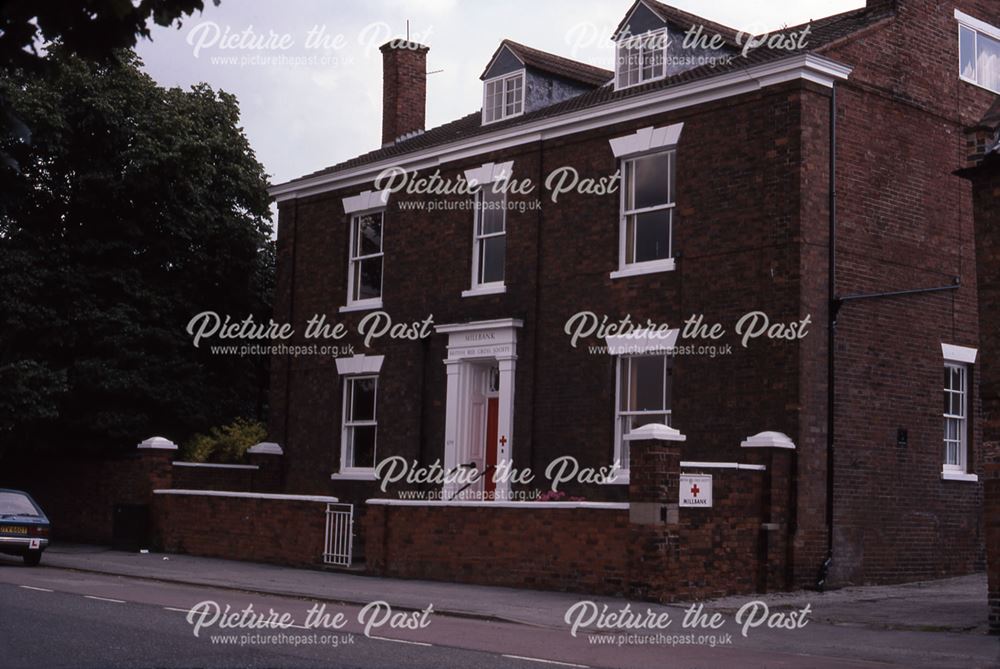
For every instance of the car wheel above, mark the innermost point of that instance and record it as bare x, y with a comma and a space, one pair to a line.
32, 558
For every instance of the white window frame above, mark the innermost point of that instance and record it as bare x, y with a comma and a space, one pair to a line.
347, 425
978, 28
481, 287
505, 81
963, 358
660, 35
648, 266
623, 475
370, 302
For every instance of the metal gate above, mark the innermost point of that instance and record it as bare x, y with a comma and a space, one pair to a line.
339, 534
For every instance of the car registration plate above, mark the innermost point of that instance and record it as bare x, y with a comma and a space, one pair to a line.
14, 529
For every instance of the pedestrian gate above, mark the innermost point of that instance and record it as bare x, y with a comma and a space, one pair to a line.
339, 534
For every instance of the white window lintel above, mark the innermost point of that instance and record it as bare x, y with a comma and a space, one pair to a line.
962, 354
359, 364
646, 139
366, 201
489, 173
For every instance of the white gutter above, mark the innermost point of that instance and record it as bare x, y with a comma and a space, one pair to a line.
808, 67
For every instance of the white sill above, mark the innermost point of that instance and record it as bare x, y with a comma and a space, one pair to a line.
354, 476
621, 478
958, 476
362, 306
652, 267
487, 289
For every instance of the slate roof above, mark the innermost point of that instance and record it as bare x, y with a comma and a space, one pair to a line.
557, 65
824, 32
684, 21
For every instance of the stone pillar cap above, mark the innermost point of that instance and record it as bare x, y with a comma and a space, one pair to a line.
768, 440
161, 443
266, 448
655, 431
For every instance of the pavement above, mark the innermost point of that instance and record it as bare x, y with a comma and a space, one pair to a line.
946, 605
931, 625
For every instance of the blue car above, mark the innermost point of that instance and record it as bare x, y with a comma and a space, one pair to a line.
24, 529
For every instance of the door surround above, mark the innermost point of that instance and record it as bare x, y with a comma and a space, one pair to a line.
470, 345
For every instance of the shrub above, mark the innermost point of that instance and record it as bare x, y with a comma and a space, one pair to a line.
227, 443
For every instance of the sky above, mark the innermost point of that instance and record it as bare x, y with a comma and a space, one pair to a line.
308, 73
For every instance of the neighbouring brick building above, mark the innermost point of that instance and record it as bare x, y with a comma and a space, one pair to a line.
727, 205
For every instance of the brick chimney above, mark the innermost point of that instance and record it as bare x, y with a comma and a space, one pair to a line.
404, 89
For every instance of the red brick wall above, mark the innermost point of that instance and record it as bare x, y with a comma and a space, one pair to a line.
288, 532
705, 553
79, 496
214, 478
548, 549
904, 221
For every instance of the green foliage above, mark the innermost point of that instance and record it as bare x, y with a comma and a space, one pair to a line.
226, 444
90, 28
136, 208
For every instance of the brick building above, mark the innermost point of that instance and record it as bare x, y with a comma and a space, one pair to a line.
743, 172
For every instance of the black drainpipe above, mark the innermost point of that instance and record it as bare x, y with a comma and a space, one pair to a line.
832, 308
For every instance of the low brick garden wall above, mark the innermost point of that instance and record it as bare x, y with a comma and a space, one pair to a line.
541, 545
595, 548
280, 529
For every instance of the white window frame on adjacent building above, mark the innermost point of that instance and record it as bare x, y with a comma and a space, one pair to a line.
356, 259
646, 69
958, 362
503, 97
977, 36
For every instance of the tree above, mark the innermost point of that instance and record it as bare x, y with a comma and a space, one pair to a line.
136, 207
89, 28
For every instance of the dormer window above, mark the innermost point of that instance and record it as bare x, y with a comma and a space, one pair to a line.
641, 58
503, 97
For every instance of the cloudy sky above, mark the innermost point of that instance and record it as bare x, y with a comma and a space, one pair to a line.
308, 72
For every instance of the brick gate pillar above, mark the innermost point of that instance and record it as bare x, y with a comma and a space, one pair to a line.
654, 477
991, 519
776, 451
267, 456
156, 468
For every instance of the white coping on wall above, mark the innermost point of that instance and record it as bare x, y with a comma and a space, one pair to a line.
768, 440
212, 465
723, 465
266, 448
158, 442
655, 431
251, 495
501, 505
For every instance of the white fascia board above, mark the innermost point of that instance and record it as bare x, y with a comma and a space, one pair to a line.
808, 67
